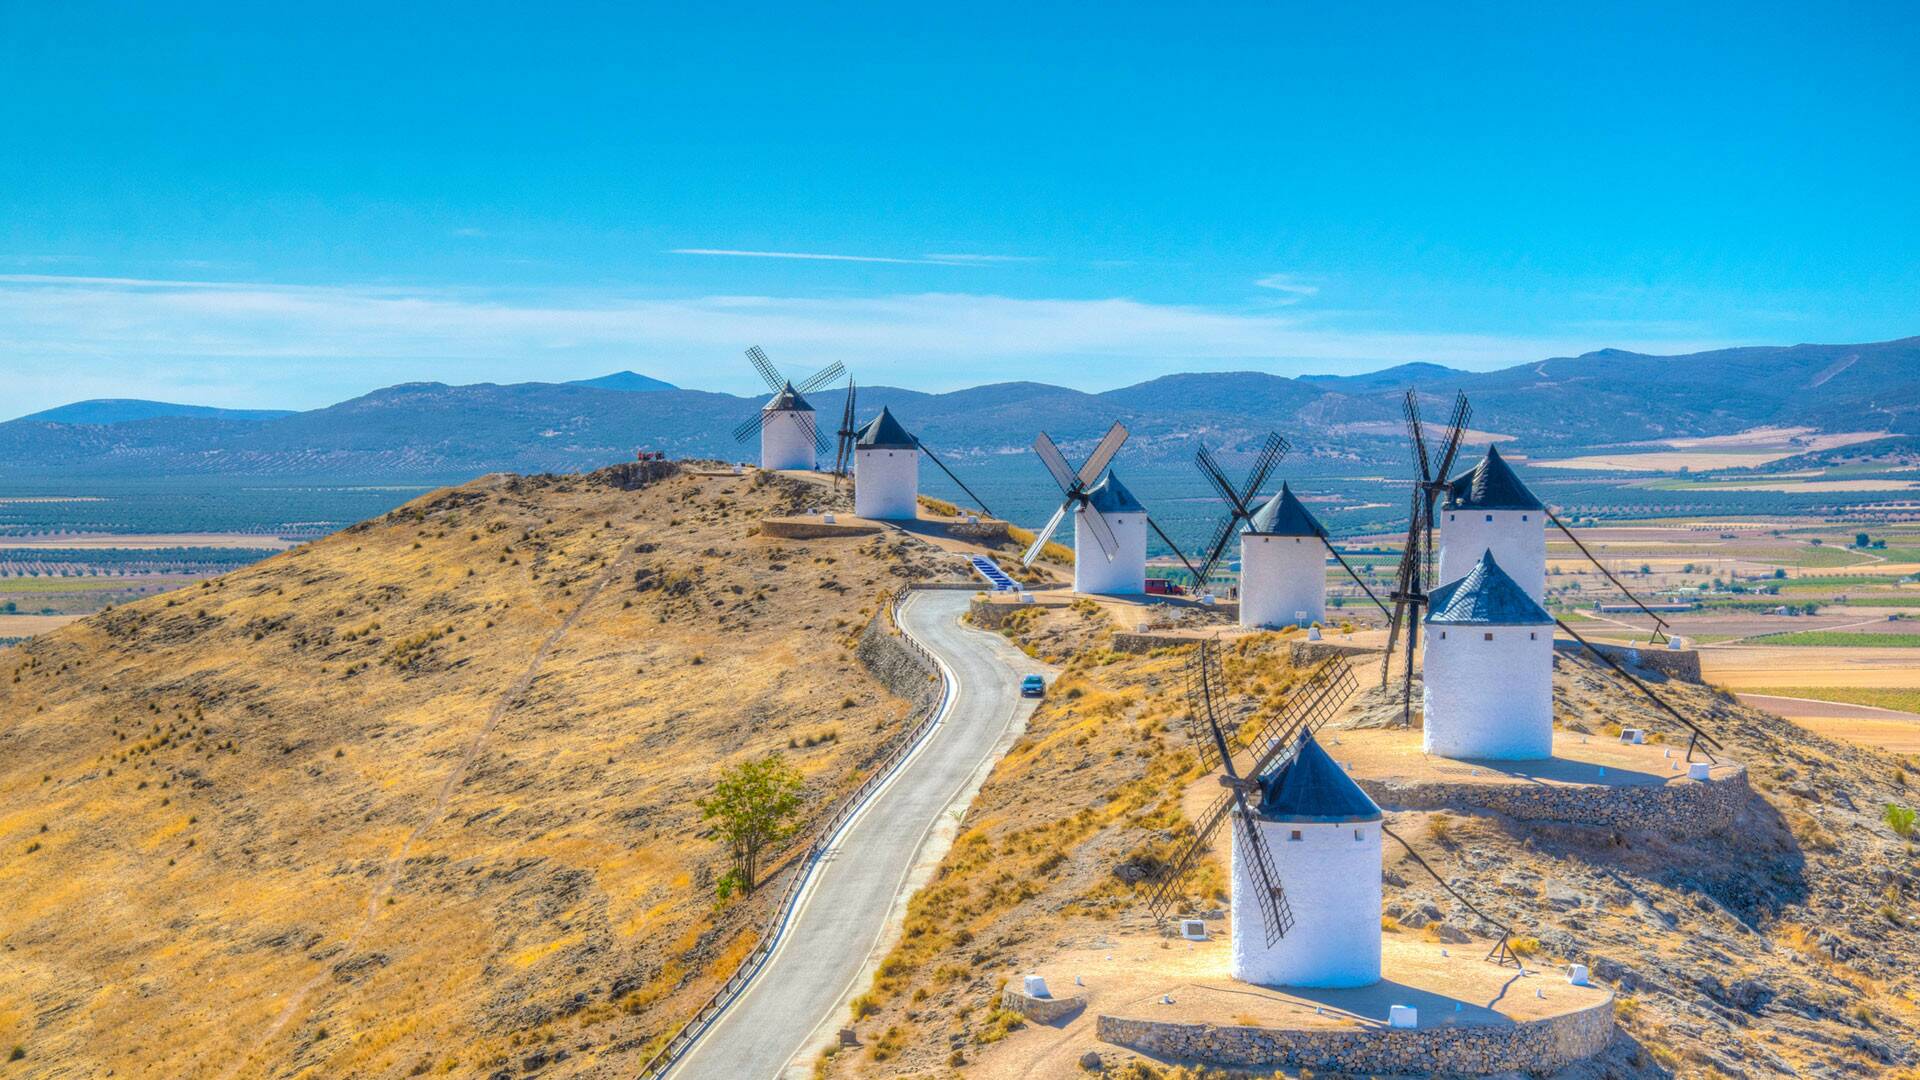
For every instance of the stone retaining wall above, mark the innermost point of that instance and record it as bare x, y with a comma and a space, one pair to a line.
1131, 642
1682, 805
1040, 1010
790, 529
1683, 664
1309, 653
988, 615
987, 533
899, 666
1534, 1046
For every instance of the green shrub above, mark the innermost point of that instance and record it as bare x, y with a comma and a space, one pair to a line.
1899, 819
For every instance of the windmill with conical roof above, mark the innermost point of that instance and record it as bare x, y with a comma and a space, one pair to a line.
790, 438
1487, 672
1489, 509
1283, 549
1306, 840
1105, 513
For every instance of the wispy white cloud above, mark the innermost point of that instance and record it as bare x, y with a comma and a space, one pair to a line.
947, 259
982, 259
1295, 289
306, 345
809, 255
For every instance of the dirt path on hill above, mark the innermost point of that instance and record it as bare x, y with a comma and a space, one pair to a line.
455, 776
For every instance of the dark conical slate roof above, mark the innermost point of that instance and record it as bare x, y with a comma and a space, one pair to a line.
1283, 515
1492, 485
1486, 596
1311, 787
883, 432
787, 400
1109, 496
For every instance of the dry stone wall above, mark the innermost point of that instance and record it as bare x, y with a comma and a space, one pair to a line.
1682, 664
1687, 805
899, 666
1534, 1046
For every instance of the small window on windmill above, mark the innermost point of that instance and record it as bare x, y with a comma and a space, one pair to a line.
1294, 835
1533, 635
1489, 517
1193, 929
1523, 517
1449, 517
1358, 835
1489, 635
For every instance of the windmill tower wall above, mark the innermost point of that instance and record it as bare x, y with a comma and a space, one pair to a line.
1126, 574
786, 440
886, 484
1332, 878
1283, 580
1488, 692
1517, 538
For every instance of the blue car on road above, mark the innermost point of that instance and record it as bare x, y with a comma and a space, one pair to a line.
1033, 686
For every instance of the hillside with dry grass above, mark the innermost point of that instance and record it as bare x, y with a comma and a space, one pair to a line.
418, 798
1784, 946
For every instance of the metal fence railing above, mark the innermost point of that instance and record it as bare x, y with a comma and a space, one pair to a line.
896, 751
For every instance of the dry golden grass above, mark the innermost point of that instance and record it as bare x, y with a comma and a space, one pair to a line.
418, 796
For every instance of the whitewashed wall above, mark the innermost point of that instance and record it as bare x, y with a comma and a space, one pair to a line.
1488, 699
886, 484
1281, 577
1517, 538
1127, 573
1332, 882
786, 442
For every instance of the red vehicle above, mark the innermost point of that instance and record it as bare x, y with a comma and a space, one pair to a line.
1164, 587
649, 455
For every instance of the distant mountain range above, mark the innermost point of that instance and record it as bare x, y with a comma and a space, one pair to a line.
121, 410
432, 431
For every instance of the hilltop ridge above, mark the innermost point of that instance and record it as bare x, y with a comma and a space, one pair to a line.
419, 796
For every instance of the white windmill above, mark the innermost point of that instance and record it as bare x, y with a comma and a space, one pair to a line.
886, 470
1488, 669
1489, 509
789, 435
1306, 847
1283, 549
1106, 513
884, 458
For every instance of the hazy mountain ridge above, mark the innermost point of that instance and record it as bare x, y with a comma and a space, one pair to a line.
433, 430
121, 410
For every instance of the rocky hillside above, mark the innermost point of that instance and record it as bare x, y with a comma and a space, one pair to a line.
1784, 946
418, 798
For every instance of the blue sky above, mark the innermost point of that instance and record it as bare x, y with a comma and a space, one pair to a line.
231, 205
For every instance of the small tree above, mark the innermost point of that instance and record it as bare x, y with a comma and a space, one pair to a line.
1860, 540
753, 804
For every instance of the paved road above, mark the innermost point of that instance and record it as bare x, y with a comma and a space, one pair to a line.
860, 889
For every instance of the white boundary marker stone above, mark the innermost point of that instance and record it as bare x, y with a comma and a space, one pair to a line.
1193, 929
1577, 975
1633, 735
1403, 1016
1699, 770
1037, 987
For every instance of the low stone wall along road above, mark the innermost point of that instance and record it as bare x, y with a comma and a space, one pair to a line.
854, 903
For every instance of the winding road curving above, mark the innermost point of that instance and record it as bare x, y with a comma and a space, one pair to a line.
848, 912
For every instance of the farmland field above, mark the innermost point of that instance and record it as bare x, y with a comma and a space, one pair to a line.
1843, 639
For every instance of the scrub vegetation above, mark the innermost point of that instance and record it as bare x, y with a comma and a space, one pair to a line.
420, 797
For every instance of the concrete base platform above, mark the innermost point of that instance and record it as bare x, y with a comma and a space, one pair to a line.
1590, 780
1173, 1001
